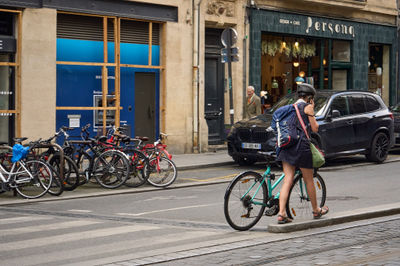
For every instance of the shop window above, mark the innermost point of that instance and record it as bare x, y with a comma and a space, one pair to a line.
379, 70
341, 51
6, 24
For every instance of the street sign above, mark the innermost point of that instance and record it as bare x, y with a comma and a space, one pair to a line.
233, 57
229, 37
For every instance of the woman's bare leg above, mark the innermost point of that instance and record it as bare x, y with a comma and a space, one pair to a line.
288, 170
308, 177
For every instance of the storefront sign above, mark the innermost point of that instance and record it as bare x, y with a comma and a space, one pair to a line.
338, 28
314, 25
7, 45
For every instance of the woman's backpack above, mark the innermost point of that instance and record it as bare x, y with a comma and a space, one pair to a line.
284, 123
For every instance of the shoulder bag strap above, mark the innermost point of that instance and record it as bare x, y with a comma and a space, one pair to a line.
301, 120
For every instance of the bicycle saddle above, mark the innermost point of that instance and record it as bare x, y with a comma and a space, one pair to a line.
19, 140
67, 128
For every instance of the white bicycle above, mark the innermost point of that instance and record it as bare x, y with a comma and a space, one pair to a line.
30, 178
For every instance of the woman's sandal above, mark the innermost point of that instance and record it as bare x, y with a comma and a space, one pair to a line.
322, 211
283, 219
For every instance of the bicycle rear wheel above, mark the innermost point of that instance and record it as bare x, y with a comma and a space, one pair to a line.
163, 172
139, 171
71, 172
244, 202
298, 205
34, 186
111, 169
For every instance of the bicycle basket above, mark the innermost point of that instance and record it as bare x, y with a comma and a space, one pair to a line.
19, 152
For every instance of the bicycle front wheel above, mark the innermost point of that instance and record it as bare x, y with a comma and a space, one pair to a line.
33, 180
299, 205
139, 171
163, 172
57, 186
245, 201
111, 169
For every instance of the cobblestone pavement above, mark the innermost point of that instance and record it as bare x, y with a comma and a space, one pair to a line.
376, 243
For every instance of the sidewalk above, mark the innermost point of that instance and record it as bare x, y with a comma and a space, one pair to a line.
200, 160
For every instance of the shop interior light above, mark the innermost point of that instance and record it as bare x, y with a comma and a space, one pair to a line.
296, 44
283, 43
302, 74
324, 61
299, 80
296, 63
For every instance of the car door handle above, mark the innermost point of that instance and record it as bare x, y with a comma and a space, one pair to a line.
350, 122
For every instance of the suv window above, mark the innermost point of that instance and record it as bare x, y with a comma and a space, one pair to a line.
340, 104
357, 105
371, 103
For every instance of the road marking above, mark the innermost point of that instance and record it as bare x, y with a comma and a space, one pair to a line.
22, 219
172, 209
77, 236
171, 198
45, 227
84, 211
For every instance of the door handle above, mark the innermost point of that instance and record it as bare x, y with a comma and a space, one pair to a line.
350, 122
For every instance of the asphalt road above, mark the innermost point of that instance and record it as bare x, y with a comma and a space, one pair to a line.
99, 230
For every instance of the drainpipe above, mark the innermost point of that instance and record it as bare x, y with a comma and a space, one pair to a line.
397, 98
196, 75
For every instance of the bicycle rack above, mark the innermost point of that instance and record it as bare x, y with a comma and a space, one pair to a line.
59, 149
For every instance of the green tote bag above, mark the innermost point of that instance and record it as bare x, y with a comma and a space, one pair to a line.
318, 157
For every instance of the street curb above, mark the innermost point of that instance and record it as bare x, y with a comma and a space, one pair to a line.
339, 218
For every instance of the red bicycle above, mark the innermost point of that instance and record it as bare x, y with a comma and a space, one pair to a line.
162, 170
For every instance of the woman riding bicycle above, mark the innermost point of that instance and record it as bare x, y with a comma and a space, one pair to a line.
299, 156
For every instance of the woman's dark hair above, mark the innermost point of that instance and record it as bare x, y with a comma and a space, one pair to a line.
305, 89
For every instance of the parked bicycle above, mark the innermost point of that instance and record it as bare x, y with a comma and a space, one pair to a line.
31, 178
139, 162
162, 169
250, 194
109, 166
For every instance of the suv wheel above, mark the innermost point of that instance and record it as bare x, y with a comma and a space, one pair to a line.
244, 161
379, 148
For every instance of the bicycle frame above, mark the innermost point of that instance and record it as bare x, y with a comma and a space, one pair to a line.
11, 173
271, 186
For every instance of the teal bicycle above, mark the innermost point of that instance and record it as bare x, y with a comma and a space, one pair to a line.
250, 194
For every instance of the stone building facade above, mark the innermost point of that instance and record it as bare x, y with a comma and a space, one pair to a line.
155, 66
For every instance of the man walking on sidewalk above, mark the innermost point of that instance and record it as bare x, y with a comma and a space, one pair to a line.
253, 105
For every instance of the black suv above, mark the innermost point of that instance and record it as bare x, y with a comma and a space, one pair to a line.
350, 122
